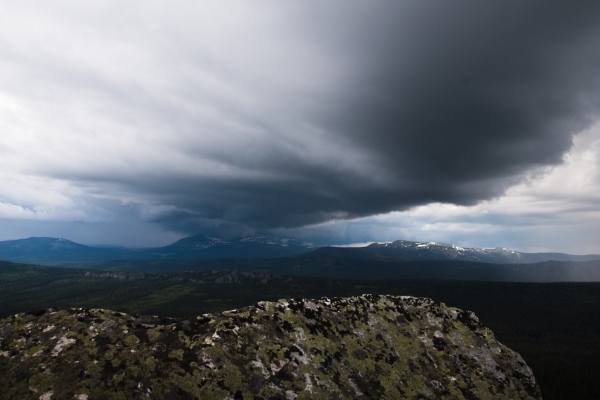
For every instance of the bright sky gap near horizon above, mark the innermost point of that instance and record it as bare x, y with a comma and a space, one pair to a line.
138, 123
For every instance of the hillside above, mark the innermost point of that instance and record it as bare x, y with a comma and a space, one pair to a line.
564, 355
361, 347
331, 263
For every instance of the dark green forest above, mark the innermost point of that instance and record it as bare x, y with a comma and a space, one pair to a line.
555, 326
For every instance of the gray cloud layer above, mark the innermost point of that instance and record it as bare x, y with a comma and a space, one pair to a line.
452, 101
284, 115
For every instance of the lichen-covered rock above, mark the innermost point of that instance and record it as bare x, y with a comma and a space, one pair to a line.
363, 347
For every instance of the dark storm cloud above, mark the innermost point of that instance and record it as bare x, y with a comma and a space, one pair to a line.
481, 93
452, 101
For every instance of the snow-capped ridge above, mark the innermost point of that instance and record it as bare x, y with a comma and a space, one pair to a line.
408, 250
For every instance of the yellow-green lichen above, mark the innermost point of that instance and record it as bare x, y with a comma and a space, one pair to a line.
176, 354
368, 346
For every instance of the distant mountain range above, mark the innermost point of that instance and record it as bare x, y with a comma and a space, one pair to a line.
43, 250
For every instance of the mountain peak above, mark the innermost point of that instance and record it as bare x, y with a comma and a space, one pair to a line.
257, 246
59, 250
41, 242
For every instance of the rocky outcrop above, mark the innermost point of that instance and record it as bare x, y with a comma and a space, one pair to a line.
120, 276
341, 348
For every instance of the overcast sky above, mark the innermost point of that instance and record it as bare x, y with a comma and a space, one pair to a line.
141, 122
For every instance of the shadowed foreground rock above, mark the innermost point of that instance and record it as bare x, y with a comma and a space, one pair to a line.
342, 348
